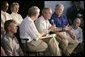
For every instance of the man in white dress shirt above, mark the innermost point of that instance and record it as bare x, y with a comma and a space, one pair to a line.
28, 31
44, 27
14, 13
4, 16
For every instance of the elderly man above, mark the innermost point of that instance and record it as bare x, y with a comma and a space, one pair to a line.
44, 27
62, 29
28, 31
9, 41
77, 30
42, 23
79, 35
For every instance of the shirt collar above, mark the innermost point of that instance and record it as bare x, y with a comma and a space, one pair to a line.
29, 19
75, 28
57, 15
10, 36
43, 19
14, 13
3, 12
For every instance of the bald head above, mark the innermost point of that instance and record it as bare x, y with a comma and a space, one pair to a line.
77, 22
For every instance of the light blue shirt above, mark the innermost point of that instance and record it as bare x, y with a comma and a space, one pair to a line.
79, 34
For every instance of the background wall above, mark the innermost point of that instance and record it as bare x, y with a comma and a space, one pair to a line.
66, 4
26, 4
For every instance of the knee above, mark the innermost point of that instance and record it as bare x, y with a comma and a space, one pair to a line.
45, 45
65, 42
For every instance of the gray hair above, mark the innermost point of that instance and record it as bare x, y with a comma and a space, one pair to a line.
46, 9
33, 10
14, 4
60, 5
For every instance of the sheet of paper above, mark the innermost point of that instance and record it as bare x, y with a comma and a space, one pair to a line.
49, 36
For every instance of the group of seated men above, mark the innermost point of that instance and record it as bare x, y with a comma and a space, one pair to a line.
48, 33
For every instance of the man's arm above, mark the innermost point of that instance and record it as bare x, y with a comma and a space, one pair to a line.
3, 52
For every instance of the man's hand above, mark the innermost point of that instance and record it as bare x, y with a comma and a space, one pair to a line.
67, 28
60, 35
52, 28
72, 35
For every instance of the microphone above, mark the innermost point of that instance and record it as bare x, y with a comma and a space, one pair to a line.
52, 22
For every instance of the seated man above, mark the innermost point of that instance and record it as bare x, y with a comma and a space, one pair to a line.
77, 30
9, 41
44, 27
62, 28
79, 35
28, 31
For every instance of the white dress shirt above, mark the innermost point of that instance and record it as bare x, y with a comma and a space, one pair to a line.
28, 30
5, 16
79, 34
42, 24
17, 17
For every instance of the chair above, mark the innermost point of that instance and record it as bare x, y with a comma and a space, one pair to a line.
28, 53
